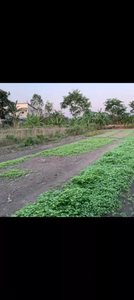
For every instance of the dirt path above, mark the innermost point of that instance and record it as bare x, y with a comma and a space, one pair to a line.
44, 173
12, 153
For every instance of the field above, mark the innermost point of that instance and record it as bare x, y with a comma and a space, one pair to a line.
51, 175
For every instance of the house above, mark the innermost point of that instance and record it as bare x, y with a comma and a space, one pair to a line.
26, 108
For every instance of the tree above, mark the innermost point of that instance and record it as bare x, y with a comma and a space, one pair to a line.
4, 103
131, 104
101, 118
76, 102
37, 102
48, 109
115, 108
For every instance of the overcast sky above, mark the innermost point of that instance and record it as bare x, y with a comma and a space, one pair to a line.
54, 92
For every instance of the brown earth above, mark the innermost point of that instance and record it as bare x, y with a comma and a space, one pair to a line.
44, 173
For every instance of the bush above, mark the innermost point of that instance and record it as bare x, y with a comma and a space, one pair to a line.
59, 134
29, 141
33, 121
13, 139
74, 130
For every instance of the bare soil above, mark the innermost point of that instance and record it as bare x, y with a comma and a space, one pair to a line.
44, 173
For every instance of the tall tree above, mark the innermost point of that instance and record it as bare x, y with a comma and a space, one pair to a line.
131, 104
4, 103
115, 108
48, 109
76, 102
37, 102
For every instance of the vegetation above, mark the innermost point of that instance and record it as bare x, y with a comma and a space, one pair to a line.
94, 192
13, 161
83, 118
38, 103
115, 108
14, 173
33, 121
80, 147
48, 109
76, 148
131, 104
76, 102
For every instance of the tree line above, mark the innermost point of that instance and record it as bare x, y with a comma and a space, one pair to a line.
78, 105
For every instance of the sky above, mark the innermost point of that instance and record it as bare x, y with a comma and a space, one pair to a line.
54, 92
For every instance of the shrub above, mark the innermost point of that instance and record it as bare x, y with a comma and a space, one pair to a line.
12, 139
10, 136
33, 121
29, 141
75, 130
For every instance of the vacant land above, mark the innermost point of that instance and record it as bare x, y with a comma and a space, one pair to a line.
53, 168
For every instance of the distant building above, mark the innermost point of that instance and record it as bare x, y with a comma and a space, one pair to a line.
26, 108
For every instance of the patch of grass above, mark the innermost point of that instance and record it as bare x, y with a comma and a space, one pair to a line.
14, 173
94, 192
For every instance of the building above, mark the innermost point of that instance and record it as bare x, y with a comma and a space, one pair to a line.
26, 108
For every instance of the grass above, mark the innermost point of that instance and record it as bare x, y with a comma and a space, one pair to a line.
94, 192
14, 173
80, 147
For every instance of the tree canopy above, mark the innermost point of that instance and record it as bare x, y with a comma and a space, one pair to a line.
131, 104
76, 102
5, 104
48, 109
115, 108
37, 102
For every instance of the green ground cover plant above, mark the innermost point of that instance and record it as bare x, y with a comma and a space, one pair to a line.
94, 192
14, 173
80, 147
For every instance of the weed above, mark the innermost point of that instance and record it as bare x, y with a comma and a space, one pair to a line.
122, 214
